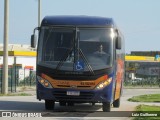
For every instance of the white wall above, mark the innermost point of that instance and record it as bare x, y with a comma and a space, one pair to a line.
10, 60
25, 61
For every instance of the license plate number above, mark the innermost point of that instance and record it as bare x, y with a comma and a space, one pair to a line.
73, 93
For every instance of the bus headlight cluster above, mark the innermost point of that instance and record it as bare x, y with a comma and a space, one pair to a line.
104, 83
44, 82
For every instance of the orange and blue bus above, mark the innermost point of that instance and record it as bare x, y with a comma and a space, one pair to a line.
80, 59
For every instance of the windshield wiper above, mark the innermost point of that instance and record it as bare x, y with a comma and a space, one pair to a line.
86, 61
64, 59
81, 54
76, 50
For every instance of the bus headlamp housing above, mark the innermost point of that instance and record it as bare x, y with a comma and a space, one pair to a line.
103, 84
44, 82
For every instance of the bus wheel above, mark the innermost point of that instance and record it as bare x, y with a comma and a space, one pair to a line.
62, 103
116, 103
106, 106
49, 104
70, 104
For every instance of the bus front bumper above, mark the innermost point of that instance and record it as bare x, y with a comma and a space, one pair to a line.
103, 95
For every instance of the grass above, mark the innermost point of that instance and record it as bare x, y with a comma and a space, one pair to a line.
26, 88
147, 108
17, 94
146, 98
141, 87
143, 109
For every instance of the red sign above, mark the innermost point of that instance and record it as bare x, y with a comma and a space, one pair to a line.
9, 66
28, 67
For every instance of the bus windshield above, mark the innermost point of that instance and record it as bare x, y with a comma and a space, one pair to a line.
84, 50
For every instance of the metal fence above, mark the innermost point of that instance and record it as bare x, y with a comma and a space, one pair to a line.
137, 74
144, 82
142, 74
18, 77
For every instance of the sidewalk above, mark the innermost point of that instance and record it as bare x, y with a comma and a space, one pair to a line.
27, 89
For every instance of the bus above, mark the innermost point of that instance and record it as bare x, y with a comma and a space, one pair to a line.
80, 59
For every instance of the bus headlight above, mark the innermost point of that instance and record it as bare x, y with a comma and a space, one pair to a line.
44, 82
104, 83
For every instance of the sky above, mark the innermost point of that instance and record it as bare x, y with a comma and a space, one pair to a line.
138, 20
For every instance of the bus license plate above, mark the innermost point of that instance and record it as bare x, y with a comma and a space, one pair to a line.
73, 93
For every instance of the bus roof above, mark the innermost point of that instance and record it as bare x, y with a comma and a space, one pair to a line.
78, 21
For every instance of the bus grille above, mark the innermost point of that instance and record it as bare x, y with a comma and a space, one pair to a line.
62, 95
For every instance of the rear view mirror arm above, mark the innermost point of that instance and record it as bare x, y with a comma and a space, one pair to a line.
37, 28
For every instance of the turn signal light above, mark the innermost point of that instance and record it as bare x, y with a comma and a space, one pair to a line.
44, 82
104, 83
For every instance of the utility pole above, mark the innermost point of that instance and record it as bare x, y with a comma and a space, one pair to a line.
5, 49
39, 13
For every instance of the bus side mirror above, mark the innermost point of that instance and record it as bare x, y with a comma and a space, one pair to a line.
118, 43
33, 40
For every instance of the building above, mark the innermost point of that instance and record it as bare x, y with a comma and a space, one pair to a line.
21, 64
19, 54
145, 53
18, 47
143, 63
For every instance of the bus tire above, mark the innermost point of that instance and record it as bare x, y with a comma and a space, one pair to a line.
49, 104
106, 106
62, 103
116, 103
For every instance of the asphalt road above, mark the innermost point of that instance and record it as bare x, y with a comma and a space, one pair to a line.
84, 111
